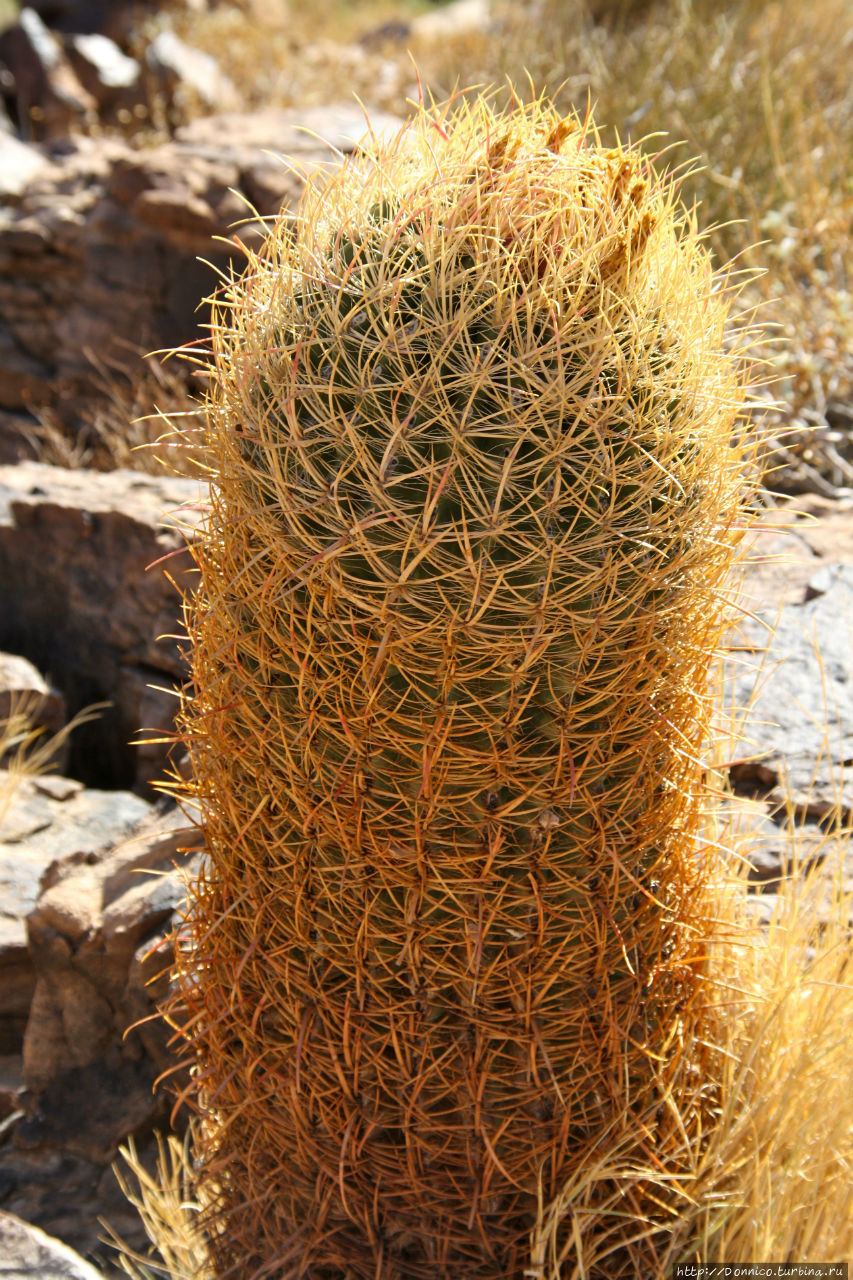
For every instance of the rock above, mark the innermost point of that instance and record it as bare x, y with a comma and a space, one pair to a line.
49, 98
394, 31
149, 700
113, 18
175, 70
89, 1110
311, 135
100, 250
452, 20
20, 163
26, 1253
11, 1087
23, 689
819, 583
85, 933
46, 819
825, 525
22, 376
14, 427
110, 76
66, 1196
99, 938
74, 549
796, 742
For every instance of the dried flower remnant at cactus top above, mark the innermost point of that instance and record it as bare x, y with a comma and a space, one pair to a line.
476, 495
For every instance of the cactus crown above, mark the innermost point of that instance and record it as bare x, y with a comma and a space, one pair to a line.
477, 487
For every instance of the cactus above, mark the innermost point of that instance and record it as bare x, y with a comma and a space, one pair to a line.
477, 485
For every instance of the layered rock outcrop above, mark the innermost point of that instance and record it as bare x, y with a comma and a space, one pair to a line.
80, 601
100, 242
98, 952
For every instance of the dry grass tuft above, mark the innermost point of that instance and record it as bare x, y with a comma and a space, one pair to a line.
169, 1212
143, 417
26, 751
772, 1176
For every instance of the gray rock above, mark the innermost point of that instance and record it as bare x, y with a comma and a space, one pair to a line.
22, 375
27, 1253
174, 67
68, 1196
20, 163
799, 694
85, 934
47, 819
109, 75
48, 96
74, 550
11, 1087
99, 938
87, 1111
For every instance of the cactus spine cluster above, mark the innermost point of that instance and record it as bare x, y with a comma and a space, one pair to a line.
476, 491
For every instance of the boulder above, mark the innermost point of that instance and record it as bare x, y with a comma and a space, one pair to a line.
20, 164
26, 1253
74, 550
48, 97
175, 71
90, 934
45, 819
113, 79
99, 941
793, 683
796, 740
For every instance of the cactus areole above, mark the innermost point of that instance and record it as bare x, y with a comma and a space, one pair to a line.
476, 490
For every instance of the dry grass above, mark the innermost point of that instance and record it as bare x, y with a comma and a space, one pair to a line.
169, 1212
9, 10
775, 1179
145, 417
294, 55
26, 750
773, 1175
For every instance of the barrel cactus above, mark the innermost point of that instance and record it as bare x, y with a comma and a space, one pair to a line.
477, 484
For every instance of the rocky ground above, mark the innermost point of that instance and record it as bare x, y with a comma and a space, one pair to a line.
99, 245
